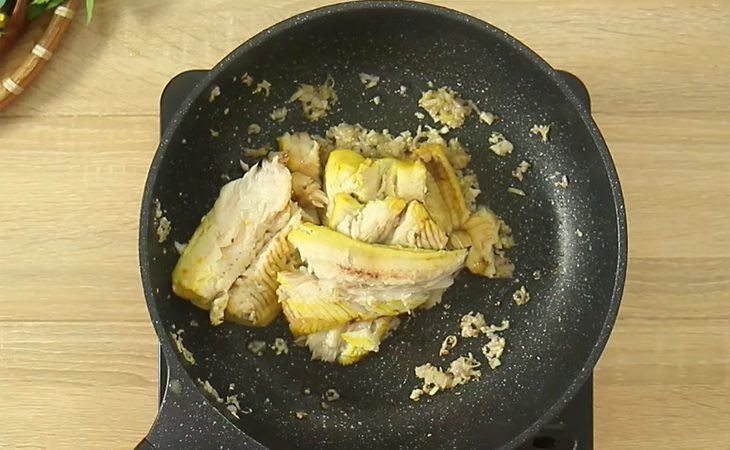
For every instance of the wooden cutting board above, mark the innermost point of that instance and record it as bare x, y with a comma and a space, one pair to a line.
77, 354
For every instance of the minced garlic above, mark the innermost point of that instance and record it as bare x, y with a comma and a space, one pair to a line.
447, 345
495, 346
164, 226
370, 81
521, 296
263, 87
256, 347
280, 347
487, 117
247, 79
254, 128
233, 400
416, 394
158, 208
445, 106
177, 339
215, 92
563, 183
493, 350
233, 410
500, 145
434, 378
461, 371
542, 131
472, 324
316, 101
464, 369
331, 395
233, 406
208, 388
496, 328
521, 170
279, 114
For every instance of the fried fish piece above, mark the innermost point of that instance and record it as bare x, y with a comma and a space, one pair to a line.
311, 305
335, 257
348, 344
233, 233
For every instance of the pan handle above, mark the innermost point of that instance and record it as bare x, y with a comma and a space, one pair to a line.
578, 88
187, 420
144, 445
182, 407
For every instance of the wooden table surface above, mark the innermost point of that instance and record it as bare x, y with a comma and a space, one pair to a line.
78, 359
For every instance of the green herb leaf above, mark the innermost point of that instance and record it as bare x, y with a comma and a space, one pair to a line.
35, 11
38, 7
89, 10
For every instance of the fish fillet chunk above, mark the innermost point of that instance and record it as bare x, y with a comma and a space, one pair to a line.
311, 305
348, 344
335, 257
370, 179
232, 233
252, 298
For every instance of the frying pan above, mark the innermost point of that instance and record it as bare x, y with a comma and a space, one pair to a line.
575, 237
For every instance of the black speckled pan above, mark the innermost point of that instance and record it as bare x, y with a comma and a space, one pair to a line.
575, 236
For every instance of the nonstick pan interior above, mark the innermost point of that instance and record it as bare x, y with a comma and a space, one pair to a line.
574, 236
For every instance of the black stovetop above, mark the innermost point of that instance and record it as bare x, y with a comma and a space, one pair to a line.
572, 429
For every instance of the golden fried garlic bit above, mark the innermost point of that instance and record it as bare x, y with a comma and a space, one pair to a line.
316, 101
500, 145
445, 106
460, 371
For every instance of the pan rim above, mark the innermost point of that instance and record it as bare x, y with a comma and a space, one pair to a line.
400, 5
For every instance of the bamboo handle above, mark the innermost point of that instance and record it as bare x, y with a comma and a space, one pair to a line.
14, 85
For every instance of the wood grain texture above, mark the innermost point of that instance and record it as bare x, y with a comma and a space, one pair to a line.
77, 354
